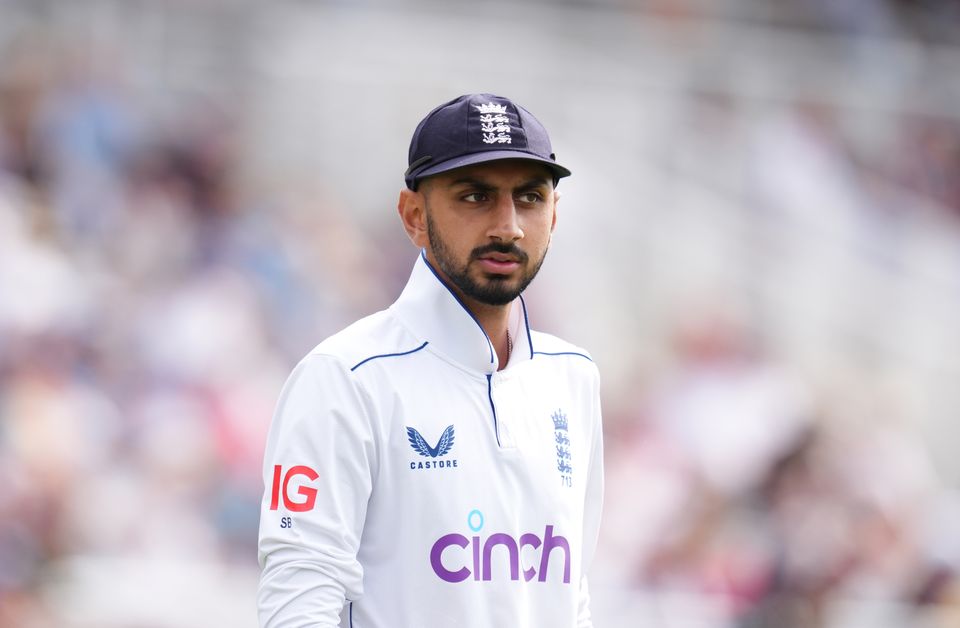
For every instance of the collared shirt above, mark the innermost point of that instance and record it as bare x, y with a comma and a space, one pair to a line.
410, 482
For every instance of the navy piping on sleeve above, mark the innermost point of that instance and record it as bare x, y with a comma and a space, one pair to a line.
388, 355
351, 614
423, 254
564, 353
496, 430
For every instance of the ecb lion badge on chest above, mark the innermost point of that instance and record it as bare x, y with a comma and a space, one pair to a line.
561, 438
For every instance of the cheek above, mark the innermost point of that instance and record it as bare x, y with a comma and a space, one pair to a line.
538, 230
453, 236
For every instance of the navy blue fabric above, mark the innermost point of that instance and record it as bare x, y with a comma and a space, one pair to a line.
475, 128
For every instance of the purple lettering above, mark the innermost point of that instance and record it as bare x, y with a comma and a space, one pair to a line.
476, 558
550, 543
436, 558
533, 541
482, 550
508, 541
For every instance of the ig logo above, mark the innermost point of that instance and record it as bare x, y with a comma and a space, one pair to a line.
281, 488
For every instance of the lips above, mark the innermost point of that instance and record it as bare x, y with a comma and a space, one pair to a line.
499, 263
500, 257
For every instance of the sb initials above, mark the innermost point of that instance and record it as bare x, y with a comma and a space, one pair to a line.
281, 484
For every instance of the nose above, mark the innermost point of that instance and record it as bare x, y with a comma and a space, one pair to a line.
505, 226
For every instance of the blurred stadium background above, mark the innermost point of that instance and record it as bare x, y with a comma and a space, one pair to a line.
760, 245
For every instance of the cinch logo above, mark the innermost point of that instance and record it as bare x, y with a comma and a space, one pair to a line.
422, 447
308, 493
481, 566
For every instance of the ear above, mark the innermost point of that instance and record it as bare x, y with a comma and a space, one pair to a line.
556, 201
412, 209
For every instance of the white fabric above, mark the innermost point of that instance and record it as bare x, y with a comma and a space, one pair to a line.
395, 510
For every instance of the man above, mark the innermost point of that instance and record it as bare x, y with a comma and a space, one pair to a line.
438, 463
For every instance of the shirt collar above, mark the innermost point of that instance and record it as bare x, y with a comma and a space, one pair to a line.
435, 314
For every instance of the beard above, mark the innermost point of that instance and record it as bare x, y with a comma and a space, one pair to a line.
492, 289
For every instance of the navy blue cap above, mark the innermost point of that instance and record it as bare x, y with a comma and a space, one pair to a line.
475, 128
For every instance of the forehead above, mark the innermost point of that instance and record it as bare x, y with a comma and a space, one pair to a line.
503, 172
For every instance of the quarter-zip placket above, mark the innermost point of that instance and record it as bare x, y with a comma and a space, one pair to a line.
497, 386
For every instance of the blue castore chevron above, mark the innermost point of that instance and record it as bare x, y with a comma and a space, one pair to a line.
420, 445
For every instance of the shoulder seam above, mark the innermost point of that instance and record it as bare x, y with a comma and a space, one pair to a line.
388, 355
582, 355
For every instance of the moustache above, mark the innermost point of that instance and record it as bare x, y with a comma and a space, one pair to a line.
502, 248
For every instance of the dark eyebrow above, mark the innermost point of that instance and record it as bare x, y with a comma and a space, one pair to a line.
474, 183
535, 182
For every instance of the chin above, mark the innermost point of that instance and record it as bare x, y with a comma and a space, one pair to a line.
499, 283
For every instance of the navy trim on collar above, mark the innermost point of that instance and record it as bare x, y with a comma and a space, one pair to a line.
526, 323
432, 311
423, 254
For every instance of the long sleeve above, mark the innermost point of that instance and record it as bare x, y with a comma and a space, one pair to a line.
319, 465
592, 508
584, 618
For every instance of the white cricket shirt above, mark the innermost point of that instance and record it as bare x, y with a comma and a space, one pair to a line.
410, 483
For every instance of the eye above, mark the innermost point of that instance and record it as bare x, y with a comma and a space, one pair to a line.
530, 197
474, 197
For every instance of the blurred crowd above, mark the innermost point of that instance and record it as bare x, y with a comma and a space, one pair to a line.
767, 503
154, 294
150, 309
